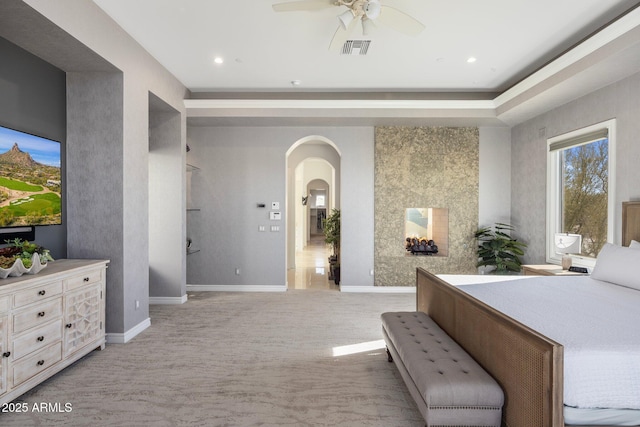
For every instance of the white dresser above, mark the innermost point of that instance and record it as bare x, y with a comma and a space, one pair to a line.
48, 321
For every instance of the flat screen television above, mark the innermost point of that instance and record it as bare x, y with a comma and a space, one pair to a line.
30, 180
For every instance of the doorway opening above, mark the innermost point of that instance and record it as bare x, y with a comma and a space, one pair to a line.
313, 176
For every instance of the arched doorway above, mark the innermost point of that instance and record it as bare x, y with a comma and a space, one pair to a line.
313, 190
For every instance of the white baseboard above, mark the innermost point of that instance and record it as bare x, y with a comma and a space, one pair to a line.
380, 289
168, 300
236, 288
128, 335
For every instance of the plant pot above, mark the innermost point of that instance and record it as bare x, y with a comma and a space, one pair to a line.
18, 268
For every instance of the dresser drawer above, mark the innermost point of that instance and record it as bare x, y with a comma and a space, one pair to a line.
37, 339
4, 304
38, 293
37, 315
36, 363
92, 276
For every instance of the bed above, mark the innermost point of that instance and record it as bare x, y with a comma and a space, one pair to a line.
527, 363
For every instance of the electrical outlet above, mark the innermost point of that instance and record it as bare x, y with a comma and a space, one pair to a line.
137, 304
237, 271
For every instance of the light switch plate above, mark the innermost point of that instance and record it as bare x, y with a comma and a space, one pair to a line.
275, 216
275, 205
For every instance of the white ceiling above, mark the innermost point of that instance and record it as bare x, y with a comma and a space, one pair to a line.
265, 51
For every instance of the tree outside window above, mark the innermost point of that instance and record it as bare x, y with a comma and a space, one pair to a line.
585, 194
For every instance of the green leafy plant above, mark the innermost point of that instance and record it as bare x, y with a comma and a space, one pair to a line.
23, 250
496, 248
331, 226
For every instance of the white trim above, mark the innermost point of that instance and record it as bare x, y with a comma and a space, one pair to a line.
168, 300
236, 288
379, 289
338, 104
130, 334
553, 196
607, 35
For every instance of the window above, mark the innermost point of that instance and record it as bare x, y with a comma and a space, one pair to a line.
580, 189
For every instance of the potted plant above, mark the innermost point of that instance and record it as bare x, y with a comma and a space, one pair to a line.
496, 248
331, 225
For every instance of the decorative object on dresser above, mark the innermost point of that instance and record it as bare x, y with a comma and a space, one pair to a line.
49, 321
22, 257
567, 244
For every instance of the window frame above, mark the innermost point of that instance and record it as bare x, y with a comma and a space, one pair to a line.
554, 191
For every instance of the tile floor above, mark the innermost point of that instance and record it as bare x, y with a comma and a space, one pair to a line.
312, 267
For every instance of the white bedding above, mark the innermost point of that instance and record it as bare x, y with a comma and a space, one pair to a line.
598, 324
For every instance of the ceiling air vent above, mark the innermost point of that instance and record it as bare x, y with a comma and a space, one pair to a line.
355, 47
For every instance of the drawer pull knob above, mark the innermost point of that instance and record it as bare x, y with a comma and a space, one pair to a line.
40, 338
42, 292
6, 354
68, 325
41, 314
86, 279
40, 362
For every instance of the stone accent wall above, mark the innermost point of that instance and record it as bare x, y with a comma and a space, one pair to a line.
429, 167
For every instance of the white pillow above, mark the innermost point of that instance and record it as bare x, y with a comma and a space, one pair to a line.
619, 265
634, 244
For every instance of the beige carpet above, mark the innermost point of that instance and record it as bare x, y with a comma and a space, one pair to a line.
238, 359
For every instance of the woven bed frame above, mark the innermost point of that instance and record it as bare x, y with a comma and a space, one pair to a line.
527, 365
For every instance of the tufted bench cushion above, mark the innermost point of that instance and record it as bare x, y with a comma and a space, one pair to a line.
450, 388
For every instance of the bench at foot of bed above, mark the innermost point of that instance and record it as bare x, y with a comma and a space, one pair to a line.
449, 387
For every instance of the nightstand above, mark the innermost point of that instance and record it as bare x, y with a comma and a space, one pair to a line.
547, 270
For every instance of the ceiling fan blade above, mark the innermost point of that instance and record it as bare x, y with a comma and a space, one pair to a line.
302, 5
341, 35
399, 21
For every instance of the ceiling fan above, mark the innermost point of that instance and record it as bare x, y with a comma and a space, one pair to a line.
367, 12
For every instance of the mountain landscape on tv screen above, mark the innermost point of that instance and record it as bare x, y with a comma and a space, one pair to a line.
29, 190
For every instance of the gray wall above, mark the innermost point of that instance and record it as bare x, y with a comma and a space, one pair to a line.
241, 167
529, 157
33, 100
110, 78
167, 277
495, 176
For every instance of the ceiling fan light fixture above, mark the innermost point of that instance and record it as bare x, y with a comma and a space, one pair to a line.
372, 9
345, 18
367, 26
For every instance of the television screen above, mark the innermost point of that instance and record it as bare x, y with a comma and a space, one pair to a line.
30, 180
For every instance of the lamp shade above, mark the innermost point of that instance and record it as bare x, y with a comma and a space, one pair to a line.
345, 18
367, 26
566, 243
372, 9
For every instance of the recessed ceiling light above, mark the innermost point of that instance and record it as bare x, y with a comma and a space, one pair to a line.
471, 60
218, 60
